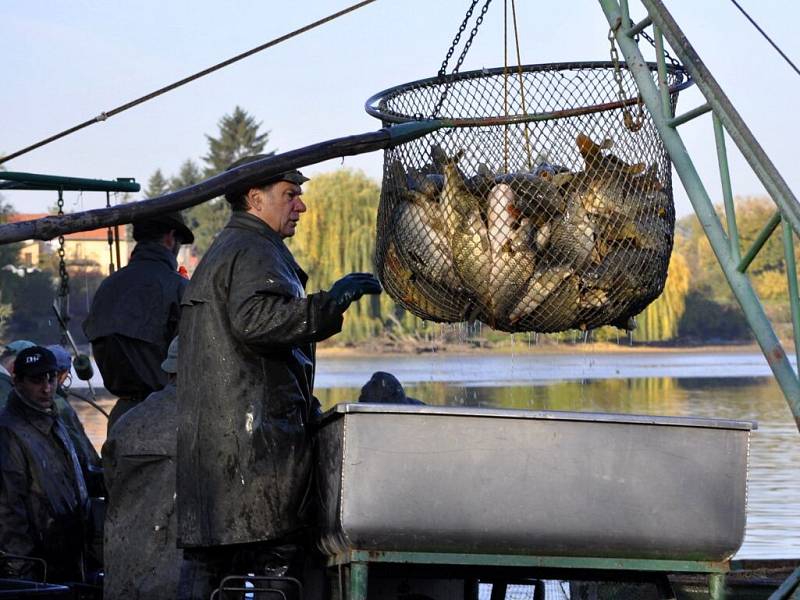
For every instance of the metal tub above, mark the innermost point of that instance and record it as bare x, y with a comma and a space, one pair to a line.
466, 480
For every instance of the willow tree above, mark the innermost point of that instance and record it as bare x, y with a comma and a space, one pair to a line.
659, 321
337, 236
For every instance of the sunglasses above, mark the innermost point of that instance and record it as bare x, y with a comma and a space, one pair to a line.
43, 378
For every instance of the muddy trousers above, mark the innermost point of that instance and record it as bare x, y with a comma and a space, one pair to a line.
203, 570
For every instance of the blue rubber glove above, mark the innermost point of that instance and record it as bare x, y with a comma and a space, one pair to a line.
351, 287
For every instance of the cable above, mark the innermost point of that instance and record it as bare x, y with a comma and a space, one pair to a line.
105, 115
761, 31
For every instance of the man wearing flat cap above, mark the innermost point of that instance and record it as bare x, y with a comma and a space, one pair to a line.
43, 496
245, 381
135, 312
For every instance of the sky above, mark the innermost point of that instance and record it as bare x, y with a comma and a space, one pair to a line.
65, 62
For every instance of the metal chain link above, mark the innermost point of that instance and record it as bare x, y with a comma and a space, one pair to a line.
631, 123
462, 56
63, 289
674, 61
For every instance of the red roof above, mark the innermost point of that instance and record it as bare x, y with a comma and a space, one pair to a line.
93, 235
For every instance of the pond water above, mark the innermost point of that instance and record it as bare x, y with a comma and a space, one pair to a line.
722, 385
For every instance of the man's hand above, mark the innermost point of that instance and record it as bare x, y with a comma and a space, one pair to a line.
351, 287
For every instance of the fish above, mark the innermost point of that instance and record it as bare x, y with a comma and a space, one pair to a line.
628, 275
643, 233
418, 230
466, 231
419, 295
535, 198
610, 185
597, 160
430, 184
573, 235
541, 286
512, 259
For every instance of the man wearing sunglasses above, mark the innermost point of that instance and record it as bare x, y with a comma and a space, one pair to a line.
43, 497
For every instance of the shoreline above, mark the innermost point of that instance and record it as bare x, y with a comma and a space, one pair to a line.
418, 349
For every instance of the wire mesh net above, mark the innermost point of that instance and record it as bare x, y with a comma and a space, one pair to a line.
562, 222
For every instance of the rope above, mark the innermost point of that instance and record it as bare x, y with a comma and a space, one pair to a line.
505, 84
521, 84
103, 116
761, 31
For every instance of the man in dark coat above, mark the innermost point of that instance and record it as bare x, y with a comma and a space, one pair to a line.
135, 313
87, 455
140, 557
245, 381
43, 497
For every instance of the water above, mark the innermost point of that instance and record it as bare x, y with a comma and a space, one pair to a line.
722, 385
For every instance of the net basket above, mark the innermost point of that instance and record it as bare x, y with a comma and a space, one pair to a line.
564, 220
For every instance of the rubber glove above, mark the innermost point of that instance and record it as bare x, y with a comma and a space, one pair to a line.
351, 287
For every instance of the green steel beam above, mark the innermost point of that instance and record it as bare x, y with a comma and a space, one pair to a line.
688, 116
548, 562
639, 27
716, 586
661, 62
791, 275
759, 242
359, 573
734, 124
739, 282
13, 180
727, 192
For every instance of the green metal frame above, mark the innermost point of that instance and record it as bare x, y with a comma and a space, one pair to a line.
11, 180
358, 561
725, 120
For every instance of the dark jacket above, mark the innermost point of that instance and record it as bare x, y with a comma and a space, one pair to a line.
140, 557
87, 455
245, 379
43, 499
133, 318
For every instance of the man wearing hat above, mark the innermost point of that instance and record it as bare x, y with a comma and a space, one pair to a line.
7, 356
43, 497
135, 312
245, 382
140, 557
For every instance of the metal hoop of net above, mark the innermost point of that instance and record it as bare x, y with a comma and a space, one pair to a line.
563, 221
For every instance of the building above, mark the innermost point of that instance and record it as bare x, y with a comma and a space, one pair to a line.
87, 250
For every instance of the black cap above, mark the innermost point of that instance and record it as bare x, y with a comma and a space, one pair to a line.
172, 220
292, 176
384, 388
35, 361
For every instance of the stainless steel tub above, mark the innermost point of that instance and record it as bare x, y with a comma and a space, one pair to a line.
463, 480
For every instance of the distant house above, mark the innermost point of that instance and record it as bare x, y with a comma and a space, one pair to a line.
87, 250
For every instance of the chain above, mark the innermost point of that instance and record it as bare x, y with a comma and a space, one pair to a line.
462, 56
631, 123
63, 290
673, 61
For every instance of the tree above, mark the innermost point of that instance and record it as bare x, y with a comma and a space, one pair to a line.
238, 137
9, 252
337, 236
31, 299
189, 174
157, 185
710, 290
659, 321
